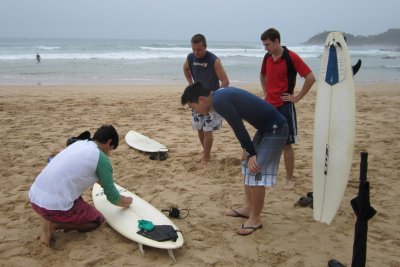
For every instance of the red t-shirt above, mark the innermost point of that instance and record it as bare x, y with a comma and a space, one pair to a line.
275, 73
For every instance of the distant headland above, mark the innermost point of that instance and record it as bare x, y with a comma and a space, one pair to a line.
389, 38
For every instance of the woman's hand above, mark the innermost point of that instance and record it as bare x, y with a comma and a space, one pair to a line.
125, 201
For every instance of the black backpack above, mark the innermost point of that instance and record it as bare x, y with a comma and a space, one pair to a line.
83, 136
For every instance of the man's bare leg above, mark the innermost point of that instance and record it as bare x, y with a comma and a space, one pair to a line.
200, 133
257, 196
245, 210
288, 155
207, 144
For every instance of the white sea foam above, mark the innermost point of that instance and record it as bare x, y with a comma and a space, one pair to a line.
42, 47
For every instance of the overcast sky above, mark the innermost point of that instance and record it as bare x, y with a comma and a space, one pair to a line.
220, 20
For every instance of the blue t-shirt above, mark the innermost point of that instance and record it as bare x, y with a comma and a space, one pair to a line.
203, 71
236, 105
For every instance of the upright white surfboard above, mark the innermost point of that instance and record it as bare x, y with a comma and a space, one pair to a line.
334, 128
125, 220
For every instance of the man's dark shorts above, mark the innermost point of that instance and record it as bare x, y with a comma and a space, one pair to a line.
289, 112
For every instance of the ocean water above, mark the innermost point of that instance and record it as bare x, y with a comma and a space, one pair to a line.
124, 62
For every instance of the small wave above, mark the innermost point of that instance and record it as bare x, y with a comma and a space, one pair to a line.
151, 48
132, 79
42, 47
391, 67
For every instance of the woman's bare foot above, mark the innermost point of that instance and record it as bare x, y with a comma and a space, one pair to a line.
48, 229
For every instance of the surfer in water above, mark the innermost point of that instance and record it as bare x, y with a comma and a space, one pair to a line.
261, 156
38, 58
278, 80
205, 67
56, 194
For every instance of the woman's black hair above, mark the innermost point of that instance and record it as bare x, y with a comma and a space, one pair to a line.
106, 132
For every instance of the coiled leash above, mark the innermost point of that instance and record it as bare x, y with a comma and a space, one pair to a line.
176, 213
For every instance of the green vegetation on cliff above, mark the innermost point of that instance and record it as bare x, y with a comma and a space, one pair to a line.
389, 38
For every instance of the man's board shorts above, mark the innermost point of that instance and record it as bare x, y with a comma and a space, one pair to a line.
268, 146
80, 213
288, 110
208, 123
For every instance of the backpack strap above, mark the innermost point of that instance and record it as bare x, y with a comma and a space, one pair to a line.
291, 71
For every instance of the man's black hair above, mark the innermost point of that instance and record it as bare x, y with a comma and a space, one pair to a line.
106, 132
193, 92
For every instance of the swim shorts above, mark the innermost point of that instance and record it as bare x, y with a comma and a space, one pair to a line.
208, 123
288, 110
268, 146
80, 213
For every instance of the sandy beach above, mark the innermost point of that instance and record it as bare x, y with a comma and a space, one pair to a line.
37, 120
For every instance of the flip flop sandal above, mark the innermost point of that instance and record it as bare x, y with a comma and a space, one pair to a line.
237, 214
304, 202
251, 228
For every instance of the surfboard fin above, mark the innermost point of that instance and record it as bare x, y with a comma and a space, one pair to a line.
141, 248
171, 255
170, 252
356, 67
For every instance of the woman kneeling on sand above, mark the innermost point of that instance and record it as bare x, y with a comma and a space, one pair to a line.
56, 192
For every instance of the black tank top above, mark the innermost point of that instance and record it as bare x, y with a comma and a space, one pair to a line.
203, 71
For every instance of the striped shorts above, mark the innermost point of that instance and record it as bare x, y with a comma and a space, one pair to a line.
269, 148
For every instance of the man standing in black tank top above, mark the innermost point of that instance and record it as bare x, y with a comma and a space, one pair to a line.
204, 67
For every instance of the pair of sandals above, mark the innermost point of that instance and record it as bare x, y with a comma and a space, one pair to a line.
251, 228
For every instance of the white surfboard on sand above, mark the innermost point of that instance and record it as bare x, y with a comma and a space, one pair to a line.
125, 220
143, 143
146, 145
334, 129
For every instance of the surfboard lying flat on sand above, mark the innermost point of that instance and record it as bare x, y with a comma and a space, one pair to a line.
125, 220
143, 143
334, 128
146, 145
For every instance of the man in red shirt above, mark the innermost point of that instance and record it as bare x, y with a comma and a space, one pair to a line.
278, 79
